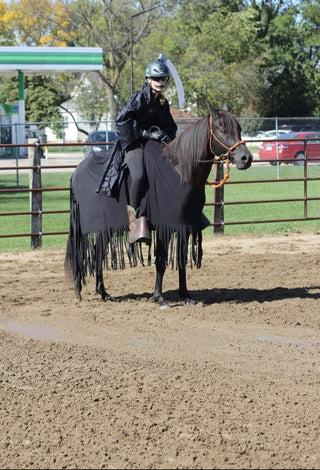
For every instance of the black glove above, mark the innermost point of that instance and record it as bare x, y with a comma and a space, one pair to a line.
154, 135
158, 134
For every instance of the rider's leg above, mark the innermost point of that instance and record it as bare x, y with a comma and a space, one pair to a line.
134, 161
139, 230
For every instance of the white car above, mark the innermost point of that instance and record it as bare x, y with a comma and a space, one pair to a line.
274, 134
262, 136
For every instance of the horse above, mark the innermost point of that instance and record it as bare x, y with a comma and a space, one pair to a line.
173, 204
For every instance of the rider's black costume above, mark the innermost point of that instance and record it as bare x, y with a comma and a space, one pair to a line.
135, 124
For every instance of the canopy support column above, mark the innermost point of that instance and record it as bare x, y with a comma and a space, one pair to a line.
22, 113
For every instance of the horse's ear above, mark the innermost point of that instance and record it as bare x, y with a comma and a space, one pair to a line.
225, 106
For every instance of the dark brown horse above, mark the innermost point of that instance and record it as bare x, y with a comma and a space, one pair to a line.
173, 204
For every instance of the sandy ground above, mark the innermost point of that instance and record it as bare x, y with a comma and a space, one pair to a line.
233, 382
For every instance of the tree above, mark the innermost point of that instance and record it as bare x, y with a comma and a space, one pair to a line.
90, 97
213, 46
102, 23
42, 23
26, 24
260, 56
108, 24
7, 37
41, 100
291, 63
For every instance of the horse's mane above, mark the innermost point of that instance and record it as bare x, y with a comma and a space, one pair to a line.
192, 145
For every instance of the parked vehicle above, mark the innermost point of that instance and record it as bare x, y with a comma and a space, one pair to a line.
248, 138
292, 148
256, 139
274, 134
99, 136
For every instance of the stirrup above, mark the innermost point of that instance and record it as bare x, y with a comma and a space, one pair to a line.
140, 231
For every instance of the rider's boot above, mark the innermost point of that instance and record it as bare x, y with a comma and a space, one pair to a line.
138, 226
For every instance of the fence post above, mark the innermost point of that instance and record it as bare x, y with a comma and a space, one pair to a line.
34, 155
218, 193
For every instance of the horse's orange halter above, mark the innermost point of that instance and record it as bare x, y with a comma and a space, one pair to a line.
224, 157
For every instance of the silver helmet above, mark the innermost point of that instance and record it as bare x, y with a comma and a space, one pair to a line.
157, 68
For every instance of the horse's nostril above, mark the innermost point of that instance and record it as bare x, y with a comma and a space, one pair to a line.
246, 161
247, 157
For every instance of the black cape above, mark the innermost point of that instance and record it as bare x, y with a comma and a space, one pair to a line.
99, 224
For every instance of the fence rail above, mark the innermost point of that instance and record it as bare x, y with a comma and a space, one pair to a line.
35, 189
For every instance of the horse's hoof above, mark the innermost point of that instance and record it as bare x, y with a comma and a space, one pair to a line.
190, 302
165, 305
105, 297
161, 301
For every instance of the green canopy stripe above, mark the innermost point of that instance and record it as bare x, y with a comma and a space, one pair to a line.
34, 58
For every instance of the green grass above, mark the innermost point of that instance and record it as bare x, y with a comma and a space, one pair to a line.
19, 202
59, 200
264, 190
66, 149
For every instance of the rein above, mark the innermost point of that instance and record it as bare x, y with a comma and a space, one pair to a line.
225, 157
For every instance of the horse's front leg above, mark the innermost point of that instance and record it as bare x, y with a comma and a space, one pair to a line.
157, 294
183, 291
162, 253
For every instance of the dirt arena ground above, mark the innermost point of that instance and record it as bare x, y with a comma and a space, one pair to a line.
233, 382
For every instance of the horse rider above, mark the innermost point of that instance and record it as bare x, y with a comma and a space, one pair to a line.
145, 116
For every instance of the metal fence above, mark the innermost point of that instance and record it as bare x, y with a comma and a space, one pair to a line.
75, 131
36, 164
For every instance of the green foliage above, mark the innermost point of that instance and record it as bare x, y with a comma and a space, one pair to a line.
290, 70
210, 47
90, 97
41, 97
7, 36
254, 55
261, 56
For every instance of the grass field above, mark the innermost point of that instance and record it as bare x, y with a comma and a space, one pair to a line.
239, 188
280, 187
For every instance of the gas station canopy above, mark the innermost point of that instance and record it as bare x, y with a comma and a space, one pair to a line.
49, 60
42, 61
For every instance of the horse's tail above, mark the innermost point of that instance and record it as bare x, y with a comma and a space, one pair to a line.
75, 267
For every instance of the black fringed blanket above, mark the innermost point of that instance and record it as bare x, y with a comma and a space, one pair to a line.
99, 224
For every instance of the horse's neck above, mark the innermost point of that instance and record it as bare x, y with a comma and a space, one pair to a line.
200, 175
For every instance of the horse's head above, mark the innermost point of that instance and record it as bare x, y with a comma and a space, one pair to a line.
193, 151
225, 138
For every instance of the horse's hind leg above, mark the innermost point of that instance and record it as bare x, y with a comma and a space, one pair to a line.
183, 291
100, 289
71, 270
77, 285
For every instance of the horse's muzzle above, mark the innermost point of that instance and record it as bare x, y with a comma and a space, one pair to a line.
241, 157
